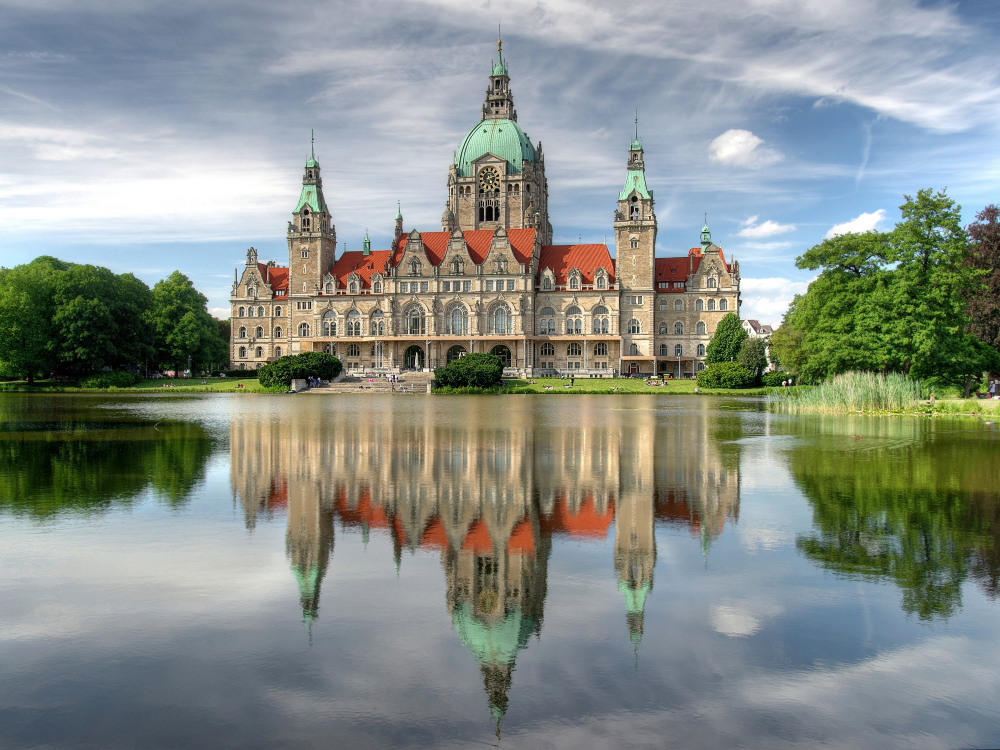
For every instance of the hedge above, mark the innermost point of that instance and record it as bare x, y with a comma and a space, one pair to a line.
111, 380
471, 371
726, 375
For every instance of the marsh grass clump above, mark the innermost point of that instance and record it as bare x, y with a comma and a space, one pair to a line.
856, 392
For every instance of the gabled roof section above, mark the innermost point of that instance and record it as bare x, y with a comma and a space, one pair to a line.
676, 269
477, 243
585, 258
699, 253
635, 180
276, 276
365, 266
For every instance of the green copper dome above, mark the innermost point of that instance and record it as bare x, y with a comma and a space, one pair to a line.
636, 145
502, 138
500, 69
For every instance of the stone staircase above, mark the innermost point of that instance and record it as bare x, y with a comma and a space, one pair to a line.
409, 382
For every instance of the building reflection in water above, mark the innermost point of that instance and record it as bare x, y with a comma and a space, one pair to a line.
488, 500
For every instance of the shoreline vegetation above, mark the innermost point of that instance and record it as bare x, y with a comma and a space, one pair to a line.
850, 393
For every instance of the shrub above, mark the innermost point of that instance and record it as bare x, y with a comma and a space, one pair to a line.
111, 380
726, 375
283, 371
774, 379
471, 371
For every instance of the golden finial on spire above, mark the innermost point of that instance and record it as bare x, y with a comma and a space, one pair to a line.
499, 41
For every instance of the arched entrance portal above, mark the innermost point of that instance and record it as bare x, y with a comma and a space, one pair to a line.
503, 352
413, 358
454, 353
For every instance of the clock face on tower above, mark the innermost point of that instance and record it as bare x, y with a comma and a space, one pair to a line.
489, 179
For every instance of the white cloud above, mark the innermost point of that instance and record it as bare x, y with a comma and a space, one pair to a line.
767, 300
742, 618
863, 223
752, 230
741, 148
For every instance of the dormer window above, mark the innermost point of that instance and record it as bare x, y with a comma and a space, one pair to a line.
353, 287
377, 287
328, 288
712, 283
547, 283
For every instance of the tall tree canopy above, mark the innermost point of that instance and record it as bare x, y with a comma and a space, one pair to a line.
727, 340
184, 330
889, 301
984, 254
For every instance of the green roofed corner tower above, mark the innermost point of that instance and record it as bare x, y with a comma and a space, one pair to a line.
312, 237
498, 177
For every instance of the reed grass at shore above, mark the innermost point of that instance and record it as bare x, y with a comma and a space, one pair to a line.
855, 392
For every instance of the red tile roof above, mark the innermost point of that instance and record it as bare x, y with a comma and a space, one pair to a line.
276, 276
678, 269
477, 242
521, 539
478, 538
586, 522
355, 261
585, 258
434, 536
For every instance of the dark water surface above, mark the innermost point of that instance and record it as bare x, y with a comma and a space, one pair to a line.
407, 571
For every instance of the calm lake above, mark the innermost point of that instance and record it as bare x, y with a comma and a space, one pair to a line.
240, 571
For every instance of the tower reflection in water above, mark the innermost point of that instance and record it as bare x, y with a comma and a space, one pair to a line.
489, 500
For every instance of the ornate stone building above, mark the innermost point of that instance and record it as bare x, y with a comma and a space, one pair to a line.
490, 280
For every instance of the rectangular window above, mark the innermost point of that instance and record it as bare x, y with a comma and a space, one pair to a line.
404, 287
489, 286
447, 286
466, 286
423, 286
510, 285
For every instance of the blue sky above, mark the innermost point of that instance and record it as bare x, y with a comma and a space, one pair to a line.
153, 136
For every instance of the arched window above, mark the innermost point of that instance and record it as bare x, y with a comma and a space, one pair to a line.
454, 353
243, 352
242, 333
378, 323
601, 280
548, 350
277, 332
678, 350
503, 353
664, 304
574, 282
500, 320
712, 283
547, 321
663, 328
633, 326
547, 283
701, 329
259, 332
277, 312
678, 329
353, 323
377, 287
574, 350
277, 352
241, 312
354, 350
699, 305
260, 311
456, 323
633, 214
303, 329
329, 287
711, 304
260, 351
701, 350
329, 323
249, 312
413, 321
574, 320
723, 304
634, 350
663, 350
601, 350
634, 242
352, 288
678, 305
601, 321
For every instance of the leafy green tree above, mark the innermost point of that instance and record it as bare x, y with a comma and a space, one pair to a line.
983, 305
725, 344
478, 370
726, 375
26, 319
753, 356
184, 331
283, 371
786, 343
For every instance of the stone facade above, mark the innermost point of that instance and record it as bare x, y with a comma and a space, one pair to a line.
490, 280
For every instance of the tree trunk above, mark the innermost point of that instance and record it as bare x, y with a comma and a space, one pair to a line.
31, 377
968, 385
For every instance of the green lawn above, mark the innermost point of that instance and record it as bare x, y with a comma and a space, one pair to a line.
166, 385
618, 385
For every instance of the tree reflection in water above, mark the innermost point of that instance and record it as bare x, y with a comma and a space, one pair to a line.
909, 501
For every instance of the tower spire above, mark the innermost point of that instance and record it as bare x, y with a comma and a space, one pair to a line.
499, 43
312, 143
637, 124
